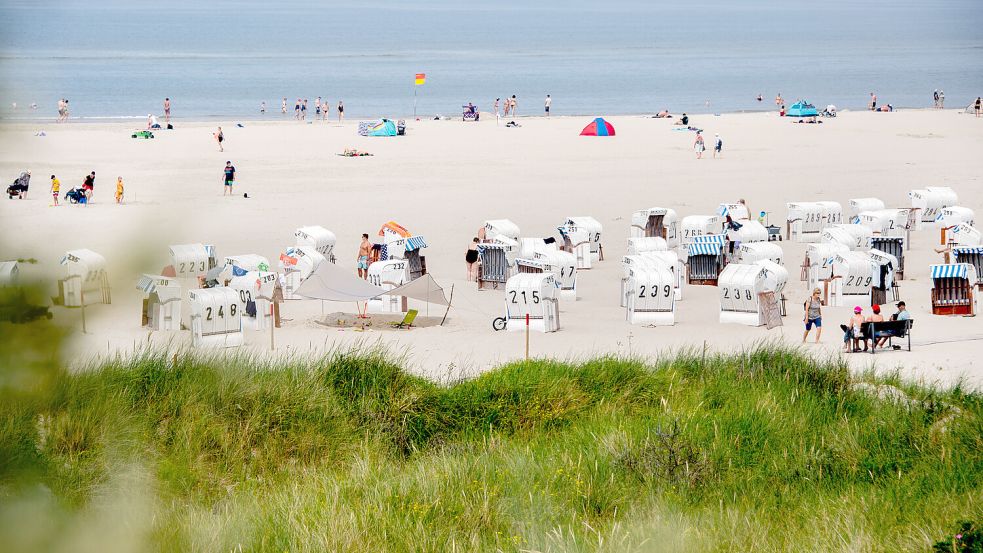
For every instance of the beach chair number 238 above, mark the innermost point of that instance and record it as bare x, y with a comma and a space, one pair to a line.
737, 293
535, 297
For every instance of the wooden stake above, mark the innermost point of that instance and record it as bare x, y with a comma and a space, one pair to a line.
272, 344
527, 336
449, 302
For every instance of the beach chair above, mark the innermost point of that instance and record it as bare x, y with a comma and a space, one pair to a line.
407, 319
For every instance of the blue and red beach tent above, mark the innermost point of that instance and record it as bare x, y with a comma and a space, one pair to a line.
598, 127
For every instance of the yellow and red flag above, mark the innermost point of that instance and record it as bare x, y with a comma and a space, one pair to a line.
421, 78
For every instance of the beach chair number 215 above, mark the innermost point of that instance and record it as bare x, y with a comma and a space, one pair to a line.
535, 297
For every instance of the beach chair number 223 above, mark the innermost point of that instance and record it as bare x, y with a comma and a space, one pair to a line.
190, 266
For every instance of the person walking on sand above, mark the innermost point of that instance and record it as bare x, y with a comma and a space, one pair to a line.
303, 110
471, 259
364, 251
341, 115
55, 189
813, 308
262, 107
873, 102
698, 145
230, 177
283, 106
89, 187
941, 99
549, 102
935, 98
119, 190
297, 109
167, 110
718, 146
978, 105
220, 138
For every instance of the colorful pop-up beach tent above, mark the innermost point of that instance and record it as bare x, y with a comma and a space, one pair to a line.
381, 127
802, 109
598, 127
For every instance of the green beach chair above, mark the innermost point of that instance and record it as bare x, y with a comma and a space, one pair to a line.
407, 319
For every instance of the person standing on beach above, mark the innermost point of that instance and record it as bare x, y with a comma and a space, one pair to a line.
978, 105
341, 115
779, 100
167, 110
513, 106
498, 112
873, 102
119, 190
297, 109
303, 110
317, 108
262, 106
505, 107
549, 102
325, 110
283, 106
55, 189
698, 145
471, 259
230, 177
89, 187
718, 146
935, 97
941, 99
813, 315
220, 138
364, 250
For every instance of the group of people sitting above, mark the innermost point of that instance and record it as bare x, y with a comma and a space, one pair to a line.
853, 331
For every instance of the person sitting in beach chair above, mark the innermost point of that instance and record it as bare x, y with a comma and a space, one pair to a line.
470, 112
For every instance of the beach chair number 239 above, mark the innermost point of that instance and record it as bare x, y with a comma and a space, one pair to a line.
666, 290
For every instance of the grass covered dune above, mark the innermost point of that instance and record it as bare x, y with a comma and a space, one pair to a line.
763, 451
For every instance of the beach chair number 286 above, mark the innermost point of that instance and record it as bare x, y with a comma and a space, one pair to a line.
535, 297
221, 313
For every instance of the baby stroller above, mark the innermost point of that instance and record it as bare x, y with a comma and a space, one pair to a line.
75, 196
19, 186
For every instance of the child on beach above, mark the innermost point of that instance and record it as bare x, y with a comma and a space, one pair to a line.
55, 189
119, 190
230, 177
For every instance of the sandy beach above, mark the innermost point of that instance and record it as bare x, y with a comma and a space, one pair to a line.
445, 178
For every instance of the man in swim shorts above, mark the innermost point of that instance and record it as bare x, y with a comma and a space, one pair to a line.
230, 177
364, 250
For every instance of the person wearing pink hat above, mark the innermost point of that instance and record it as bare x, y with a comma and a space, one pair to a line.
851, 330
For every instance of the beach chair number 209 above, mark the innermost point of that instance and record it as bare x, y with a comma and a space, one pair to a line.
859, 281
535, 297
208, 312
666, 290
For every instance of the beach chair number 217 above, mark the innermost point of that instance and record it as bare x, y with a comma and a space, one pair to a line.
535, 297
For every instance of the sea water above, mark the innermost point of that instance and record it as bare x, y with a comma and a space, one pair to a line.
218, 58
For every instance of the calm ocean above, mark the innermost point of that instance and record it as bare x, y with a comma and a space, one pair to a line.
220, 58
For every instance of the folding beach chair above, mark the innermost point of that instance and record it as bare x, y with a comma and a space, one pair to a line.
407, 319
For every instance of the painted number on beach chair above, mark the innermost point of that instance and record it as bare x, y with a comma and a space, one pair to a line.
246, 296
535, 297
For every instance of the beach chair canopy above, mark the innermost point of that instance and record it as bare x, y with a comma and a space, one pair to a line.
598, 127
802, 109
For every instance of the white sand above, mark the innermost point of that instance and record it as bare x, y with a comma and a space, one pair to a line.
446, 177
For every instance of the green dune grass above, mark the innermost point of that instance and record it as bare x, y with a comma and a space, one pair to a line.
767, 450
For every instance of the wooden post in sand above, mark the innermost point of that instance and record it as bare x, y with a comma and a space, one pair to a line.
527, 335
82, 301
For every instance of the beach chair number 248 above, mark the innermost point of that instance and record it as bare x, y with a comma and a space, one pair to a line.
221, 313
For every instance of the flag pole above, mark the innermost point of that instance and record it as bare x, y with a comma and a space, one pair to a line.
414, 100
